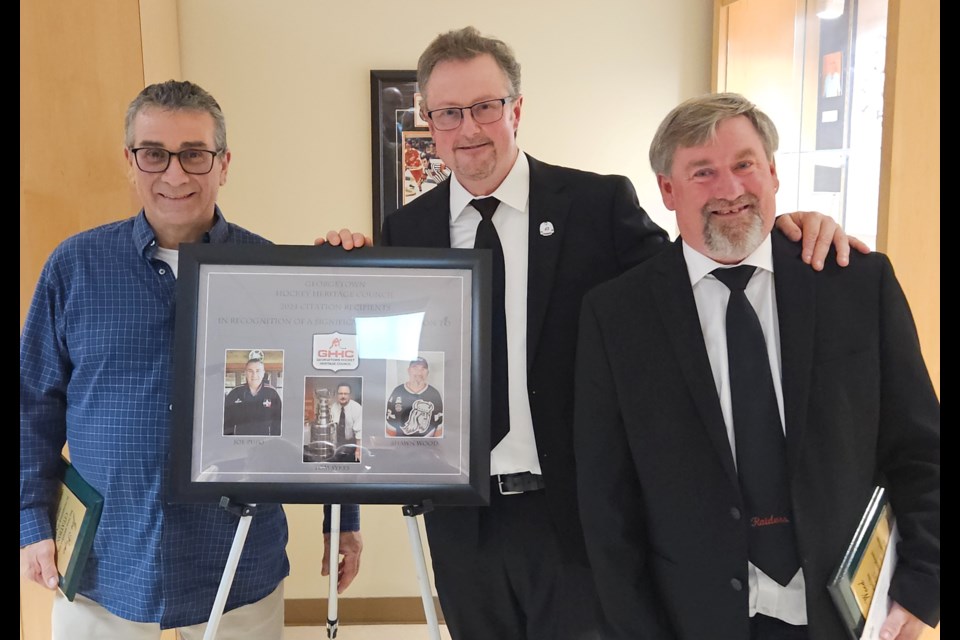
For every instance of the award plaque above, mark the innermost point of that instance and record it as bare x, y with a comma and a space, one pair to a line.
75, 523
313, 374
859, 585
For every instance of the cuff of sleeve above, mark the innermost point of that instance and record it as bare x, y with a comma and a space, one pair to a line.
914, 593
34, 526
349, 518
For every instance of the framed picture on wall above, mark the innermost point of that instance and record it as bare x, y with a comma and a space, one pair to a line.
405, 163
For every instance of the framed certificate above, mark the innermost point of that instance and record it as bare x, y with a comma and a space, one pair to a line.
78, 513
317, 375
860, 584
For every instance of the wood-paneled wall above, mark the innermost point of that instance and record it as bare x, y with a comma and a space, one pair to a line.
80, 65
909, 216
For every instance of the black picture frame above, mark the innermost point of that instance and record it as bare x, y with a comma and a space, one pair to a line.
279, 303
395, 122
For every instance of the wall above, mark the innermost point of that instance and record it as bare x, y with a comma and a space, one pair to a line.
293, 80
909, 226
79, 67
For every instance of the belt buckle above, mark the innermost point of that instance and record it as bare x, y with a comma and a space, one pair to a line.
504, 492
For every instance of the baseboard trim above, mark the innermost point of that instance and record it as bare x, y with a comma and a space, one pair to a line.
303, 612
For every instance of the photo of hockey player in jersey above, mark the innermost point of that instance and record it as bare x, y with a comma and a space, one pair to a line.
415, 408
420, 166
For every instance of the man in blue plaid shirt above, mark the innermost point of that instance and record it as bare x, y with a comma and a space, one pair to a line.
96, 371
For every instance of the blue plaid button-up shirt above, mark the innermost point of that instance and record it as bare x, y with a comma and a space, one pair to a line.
96, 371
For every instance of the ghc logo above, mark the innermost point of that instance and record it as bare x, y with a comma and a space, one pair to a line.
335, 351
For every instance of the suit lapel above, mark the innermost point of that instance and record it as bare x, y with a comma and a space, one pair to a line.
796, 311
433, 221
678, 309
549, 207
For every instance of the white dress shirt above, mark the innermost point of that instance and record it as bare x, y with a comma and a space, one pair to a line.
518, 450
767, 597
353, 419
170, 256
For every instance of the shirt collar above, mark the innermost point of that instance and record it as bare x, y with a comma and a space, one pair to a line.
514, 191
145, 239
699, 265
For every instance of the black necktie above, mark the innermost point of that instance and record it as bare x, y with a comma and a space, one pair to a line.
761, 447
487, 238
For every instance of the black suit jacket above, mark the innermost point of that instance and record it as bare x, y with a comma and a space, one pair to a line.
661, 505
600, 231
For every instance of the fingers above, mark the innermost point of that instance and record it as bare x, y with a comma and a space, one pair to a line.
900, 624
345, 238
333, 237
818, 246
38, 563
894, 622
348, 239
858, 245
356, 239
789, 224
349, 568
351, 547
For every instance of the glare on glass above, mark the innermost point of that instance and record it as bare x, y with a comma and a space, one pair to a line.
486, 112
156, 160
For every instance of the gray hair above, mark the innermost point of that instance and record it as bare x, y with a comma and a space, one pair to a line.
694, 123
466, 44
174, 95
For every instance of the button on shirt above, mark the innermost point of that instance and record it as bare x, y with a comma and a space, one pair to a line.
766, 596
518, 450
96, 369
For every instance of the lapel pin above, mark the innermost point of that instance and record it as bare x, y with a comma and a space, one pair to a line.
546, 229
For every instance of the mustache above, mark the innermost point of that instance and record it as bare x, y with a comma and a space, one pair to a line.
718, 204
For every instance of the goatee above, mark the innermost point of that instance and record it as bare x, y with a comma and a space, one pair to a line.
733, 238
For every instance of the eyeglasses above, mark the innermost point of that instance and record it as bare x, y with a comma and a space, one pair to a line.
155, 160
486, 112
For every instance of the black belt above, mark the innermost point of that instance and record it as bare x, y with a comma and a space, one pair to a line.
511, 483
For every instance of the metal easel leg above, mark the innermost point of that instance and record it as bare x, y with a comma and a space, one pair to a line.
245, 511
333, 620
410, 513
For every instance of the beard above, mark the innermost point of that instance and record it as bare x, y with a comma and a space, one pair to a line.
732, 240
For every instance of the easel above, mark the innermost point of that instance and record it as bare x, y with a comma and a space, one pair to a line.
246, 512
410, 513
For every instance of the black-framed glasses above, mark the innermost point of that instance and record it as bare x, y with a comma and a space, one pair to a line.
486, 112
156, 160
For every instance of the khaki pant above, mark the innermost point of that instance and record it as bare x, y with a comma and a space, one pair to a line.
84, 619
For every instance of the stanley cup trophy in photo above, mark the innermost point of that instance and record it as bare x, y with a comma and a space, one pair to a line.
323, 432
